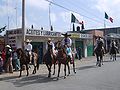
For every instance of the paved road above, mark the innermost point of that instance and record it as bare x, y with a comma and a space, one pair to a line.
88, 77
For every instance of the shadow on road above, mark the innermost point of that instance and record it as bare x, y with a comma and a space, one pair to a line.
28, 80
86, 67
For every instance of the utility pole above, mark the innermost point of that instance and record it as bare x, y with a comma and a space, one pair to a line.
49, 16
23, 23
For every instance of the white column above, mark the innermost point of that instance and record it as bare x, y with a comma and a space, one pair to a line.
85, 48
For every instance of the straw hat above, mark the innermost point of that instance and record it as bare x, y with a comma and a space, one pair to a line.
66, 34
27, 40
8, 46
49, 39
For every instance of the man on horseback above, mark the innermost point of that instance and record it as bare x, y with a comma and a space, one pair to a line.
28, 49
67, 42
98, 41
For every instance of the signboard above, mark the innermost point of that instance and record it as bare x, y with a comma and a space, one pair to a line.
12, 41
86, 36
75, 35
33, 32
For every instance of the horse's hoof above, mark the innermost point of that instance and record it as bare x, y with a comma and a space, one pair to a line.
49, 75
57, 78
19, 76
64, 77
99, 65
74, 72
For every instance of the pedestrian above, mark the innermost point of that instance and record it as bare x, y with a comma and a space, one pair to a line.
8, 61
1, 63
79, 51
16, 62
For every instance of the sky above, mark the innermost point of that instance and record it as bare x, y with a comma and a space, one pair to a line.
92, 12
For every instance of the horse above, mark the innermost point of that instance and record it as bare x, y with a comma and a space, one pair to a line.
99, 51
63, 58
25, 59
113, 52
49, 59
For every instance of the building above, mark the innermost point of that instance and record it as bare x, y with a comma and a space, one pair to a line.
109, 34
40, 37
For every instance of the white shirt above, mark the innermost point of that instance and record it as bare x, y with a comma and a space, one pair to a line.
28, 47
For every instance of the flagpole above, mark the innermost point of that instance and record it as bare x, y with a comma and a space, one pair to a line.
104, 24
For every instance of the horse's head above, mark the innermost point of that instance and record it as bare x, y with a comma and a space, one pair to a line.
100, 45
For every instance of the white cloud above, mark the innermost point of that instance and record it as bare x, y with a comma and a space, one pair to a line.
6, 10
65, 16
108, 5
39, 4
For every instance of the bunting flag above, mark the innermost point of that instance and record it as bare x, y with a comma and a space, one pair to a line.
109, 18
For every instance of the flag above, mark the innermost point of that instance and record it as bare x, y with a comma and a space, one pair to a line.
74, 19
109, 18
82, 25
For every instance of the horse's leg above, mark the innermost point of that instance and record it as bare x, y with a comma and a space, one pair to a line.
100, 60
27, 69
115, 56
97, 60
59, 66
34, 70
68, 69
20, 70
74, 65
50, 70
65, 70
54, 69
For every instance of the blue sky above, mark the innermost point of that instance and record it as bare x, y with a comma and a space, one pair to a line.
37, 13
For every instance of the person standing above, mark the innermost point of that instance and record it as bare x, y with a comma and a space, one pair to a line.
1, 63
8, 61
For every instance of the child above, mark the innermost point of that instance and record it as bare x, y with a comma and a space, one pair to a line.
1, 63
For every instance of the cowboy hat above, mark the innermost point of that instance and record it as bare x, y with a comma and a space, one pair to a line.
28, 40
49, 39
8, 46
66, 34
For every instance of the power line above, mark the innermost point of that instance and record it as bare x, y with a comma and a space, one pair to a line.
72, 11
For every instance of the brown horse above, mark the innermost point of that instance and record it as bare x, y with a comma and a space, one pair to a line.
25, 59
63, 58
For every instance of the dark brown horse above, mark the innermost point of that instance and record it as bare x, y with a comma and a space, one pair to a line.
99, 51
49, 59
113, 51
25, 59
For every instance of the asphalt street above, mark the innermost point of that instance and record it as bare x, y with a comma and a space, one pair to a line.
88, 77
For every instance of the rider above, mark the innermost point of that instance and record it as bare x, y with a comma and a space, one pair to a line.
50, 47
67, 42
28, 48
98, 40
